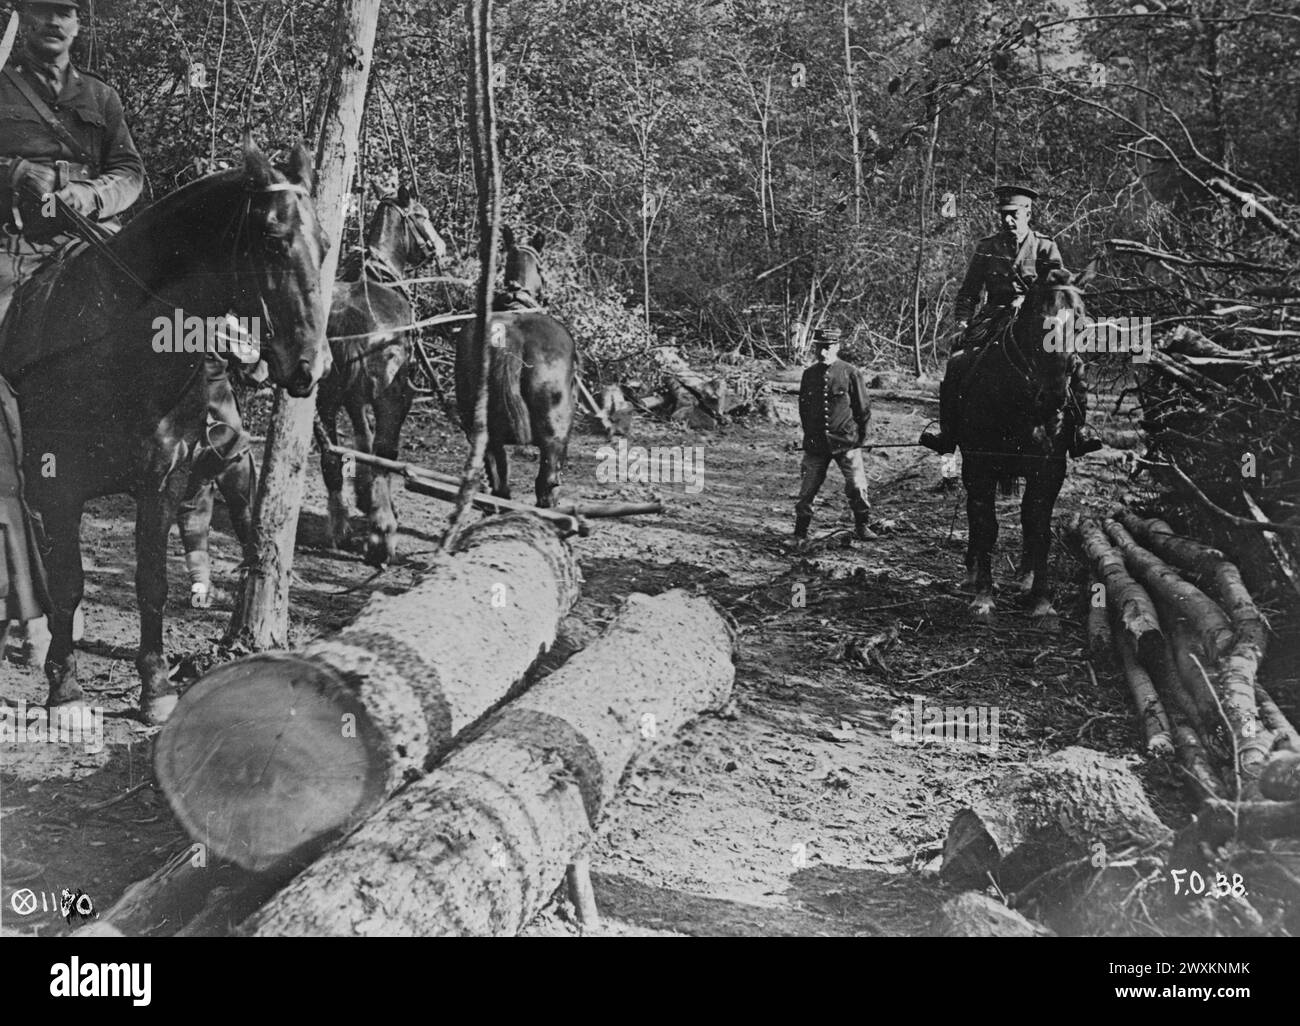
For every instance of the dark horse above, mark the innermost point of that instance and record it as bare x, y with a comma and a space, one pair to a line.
531, 375
1016, 419
372, 352
104, 413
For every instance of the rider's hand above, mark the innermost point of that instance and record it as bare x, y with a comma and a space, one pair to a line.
32, 182
81, 197
1018, 302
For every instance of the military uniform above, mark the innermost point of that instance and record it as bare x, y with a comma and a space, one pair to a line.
834, 410
90, 112
93, 149
1003, 271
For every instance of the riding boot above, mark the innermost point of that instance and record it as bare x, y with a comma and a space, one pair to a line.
1084, 440
944, 440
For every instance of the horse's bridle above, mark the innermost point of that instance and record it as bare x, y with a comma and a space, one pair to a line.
517, 291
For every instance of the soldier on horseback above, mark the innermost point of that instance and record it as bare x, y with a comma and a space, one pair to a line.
1004, 269
63, 143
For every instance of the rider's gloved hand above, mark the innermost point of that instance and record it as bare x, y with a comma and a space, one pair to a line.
31, 182
81, 197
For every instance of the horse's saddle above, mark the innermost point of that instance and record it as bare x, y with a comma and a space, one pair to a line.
26, 336
993, 325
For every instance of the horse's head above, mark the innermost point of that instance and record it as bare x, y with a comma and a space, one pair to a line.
279, 249
1055, 306
402, 231
524, 278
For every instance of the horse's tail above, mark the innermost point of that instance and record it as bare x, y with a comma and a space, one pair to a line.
503, 386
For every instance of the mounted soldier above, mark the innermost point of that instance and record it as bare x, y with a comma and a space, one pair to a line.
834, 410
64, 146
1003, 270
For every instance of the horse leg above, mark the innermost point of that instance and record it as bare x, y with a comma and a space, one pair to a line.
331, 468
1044, 487
1025, 568
364, 439
982, 524
153, 517
497, 462
390, 411
66, 587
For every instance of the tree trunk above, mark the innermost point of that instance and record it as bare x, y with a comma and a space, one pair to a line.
1183, 600
1135, 613
487, 178
268, 755
977, 915
1046, 813
261, 618
478, 845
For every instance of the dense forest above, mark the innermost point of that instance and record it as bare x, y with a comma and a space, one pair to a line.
727, 173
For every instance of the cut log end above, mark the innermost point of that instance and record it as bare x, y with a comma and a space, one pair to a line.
266, 754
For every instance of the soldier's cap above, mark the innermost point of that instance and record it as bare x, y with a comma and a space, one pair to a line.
827, 336
1011, 197
52, 3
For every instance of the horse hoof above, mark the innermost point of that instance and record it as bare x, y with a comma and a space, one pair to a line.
200, 596
981, 611
1026, 583
156, 709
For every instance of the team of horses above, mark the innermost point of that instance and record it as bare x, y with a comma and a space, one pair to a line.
121, 419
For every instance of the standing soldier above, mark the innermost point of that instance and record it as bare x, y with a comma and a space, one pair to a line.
834, 409
1004, 269
62, 137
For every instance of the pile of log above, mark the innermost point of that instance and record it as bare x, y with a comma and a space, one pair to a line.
322, 762
1190, 657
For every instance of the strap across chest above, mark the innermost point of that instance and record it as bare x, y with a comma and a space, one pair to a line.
48, 117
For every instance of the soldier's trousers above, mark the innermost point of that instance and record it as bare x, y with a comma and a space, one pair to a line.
813, 474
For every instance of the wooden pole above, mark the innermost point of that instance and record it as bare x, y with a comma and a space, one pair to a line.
478, 845
261, 617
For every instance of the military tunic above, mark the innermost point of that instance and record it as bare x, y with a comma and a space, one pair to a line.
1004, 270
91, 112
834, 409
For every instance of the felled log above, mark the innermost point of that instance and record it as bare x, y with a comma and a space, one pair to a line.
1135, 613
477, 846
1184, 718
1099, 633
973, 914
1151, 711
1237, 669
1280, 780
1046, 813
1285, 735
1184, 600
1221, 821
687, 388
187, 895
268, 754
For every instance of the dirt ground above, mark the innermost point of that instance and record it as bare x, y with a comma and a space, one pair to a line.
792, 812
